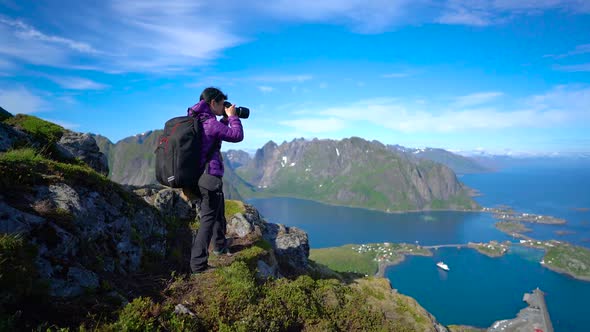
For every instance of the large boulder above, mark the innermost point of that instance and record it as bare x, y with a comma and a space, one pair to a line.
291, 247
168, 201
83, 147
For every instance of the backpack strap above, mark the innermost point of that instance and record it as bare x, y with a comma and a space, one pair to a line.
209, 154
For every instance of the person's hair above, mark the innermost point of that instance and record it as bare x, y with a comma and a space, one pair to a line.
212, 93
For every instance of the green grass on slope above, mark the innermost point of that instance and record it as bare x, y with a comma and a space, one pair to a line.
345, 259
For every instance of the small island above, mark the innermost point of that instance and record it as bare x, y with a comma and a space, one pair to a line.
510, 227
563, 257
491, 249
505, 213
367, 259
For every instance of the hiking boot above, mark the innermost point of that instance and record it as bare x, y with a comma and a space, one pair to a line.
225, 249
209, 268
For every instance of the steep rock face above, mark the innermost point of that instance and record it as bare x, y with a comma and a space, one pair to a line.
74, 145
133, 159
354, 172
236, 158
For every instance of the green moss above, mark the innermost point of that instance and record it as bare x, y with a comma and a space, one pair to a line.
232, 207
26, 155
39, 129
251, 253
23, 168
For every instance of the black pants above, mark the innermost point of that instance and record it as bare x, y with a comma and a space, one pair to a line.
213, 224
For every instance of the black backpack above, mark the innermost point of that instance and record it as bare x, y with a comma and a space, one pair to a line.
178, 155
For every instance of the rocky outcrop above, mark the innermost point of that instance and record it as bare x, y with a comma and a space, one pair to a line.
83, 235
291, 247
83, 147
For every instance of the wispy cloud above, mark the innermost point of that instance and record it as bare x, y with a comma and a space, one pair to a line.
28, 33
176, 35
21, 100
561, 106
476, 99
77, 83
580, 49
488, 12
65, 124
396, 75
573, 68
266, 89
146, 37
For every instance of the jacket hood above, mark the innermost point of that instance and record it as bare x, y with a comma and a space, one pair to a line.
200, 109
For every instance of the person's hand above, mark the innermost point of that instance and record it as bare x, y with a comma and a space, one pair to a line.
230, 111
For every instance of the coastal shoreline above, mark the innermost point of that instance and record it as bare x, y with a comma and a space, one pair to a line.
480, 209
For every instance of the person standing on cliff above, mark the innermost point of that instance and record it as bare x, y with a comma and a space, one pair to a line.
212, 206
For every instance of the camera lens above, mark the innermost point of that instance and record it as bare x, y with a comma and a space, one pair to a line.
241, 112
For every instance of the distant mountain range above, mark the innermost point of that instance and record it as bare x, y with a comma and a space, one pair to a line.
458, 163
351, 172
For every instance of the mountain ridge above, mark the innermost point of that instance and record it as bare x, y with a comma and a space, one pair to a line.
419, 184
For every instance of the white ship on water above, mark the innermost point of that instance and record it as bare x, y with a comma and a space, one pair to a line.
443, 266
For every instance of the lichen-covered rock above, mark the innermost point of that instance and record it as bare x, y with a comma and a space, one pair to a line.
239, 226
83, 147
291, 247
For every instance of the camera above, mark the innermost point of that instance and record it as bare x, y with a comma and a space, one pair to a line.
241, 112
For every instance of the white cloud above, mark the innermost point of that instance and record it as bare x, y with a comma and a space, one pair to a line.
583, 67
21, 100
487, 12
150, 36
580, 49
265, 89
173, 36
396, 75
77, 83
476, 98
313, 125
561, 106
28, 33
365, 16
465, 17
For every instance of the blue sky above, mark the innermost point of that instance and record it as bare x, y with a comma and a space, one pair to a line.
499, 76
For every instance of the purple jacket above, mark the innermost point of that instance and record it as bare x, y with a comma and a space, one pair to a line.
229, 130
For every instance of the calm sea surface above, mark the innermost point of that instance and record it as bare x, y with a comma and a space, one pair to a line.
478, 290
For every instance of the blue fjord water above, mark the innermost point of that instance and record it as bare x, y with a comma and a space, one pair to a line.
478, 290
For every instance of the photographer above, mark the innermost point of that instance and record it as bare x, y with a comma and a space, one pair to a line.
212, 211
